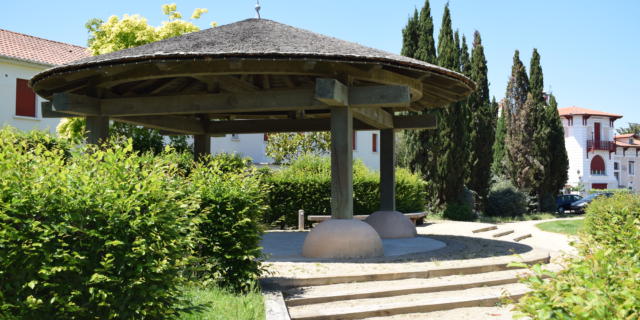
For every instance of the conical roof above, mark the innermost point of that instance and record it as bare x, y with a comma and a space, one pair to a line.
255, 38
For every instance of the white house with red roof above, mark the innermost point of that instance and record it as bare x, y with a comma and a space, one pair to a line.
21, 57
598, 159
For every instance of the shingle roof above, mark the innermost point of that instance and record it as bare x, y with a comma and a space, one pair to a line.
33, 49
256, 38
584, 111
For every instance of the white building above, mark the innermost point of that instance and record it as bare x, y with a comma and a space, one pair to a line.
598, 159
366, 146
21, 57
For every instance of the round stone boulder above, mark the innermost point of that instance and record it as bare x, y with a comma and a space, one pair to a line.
342, 239
391, 224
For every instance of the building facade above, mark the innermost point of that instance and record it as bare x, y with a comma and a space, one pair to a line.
598, 158
366, 145
21, 57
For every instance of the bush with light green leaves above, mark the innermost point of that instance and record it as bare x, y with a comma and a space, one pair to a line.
105, 233
604, 281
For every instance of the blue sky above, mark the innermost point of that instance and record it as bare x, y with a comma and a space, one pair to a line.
589, 48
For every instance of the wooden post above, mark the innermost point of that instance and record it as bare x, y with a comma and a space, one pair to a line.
201, 145
97, 129
341, 163
387, 170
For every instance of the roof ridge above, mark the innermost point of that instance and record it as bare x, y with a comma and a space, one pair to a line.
39, 38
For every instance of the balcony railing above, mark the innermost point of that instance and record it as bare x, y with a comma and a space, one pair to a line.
601, 145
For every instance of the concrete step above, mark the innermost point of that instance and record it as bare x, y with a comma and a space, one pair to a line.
485, 229
522, 237
410, 303
537, 256
379, 289
502, 233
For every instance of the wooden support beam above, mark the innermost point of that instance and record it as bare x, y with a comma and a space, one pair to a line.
387, 170
426, 121
341, 163
46, 110
331, 92
235, 85
380, 96
376, 117
177, 124
97, 129
76, 104
201, 146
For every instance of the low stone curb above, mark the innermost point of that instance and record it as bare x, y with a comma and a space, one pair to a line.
275, 308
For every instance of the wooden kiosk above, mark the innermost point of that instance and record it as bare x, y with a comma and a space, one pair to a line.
256, 76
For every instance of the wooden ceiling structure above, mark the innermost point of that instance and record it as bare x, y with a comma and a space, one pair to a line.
257, 76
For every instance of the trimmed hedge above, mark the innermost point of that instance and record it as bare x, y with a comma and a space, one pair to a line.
603, 283
102, 234
505, 200
306, 184
108, 233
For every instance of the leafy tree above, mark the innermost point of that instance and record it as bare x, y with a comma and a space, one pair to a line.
127, 32
632, 128
287, 147
410, 36
482, 123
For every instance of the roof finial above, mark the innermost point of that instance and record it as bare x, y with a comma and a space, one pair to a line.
258, 8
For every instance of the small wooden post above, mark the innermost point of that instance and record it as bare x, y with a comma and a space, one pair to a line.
97, 129
201, 145
341, 163
387, 170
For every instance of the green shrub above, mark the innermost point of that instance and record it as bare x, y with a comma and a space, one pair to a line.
230, 209
505, 200
103, 234
603, 282
459, 212
306, 184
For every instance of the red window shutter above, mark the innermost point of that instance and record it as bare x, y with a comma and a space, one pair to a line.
265, 137
25, 99
374, 142
354, 140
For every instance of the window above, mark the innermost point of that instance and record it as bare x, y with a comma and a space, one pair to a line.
616, 166
374, 142
597, 166
25, 99
235, 136
265, 137
632, 169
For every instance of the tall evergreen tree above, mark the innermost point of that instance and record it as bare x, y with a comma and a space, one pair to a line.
499, 164
557, 174
426, 45
465, 60
452, 130
419, 144
410, 36
522, 165
482, 123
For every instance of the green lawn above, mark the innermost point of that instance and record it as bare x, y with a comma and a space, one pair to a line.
217, 304
562, 226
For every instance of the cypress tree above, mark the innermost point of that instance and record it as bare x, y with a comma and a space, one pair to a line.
465, 60
498, 166
558, 166
426, 46
410, 36
520, 107
419, 144
482, 123
452, 141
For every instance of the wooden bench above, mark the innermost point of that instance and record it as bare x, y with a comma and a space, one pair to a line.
413, 216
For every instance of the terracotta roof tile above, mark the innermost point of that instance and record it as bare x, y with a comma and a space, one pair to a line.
580, 111
25, 47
